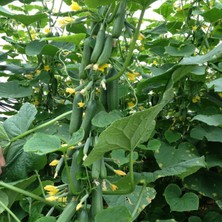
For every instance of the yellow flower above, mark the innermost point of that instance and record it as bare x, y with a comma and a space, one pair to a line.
38, 71
51, 198
103, 67
155, 62
220, 94
36, 102
29, 76
62, 199
196, 99
194, 28
54, 163
81, 104
113, 187
75, 6
79, 205
130, 104
52, 190
47, 30
46, 68
119, 172
65, 21
131, 76
70, 90
141, 37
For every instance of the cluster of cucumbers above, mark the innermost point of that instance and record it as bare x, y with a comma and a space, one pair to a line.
95, 51
98, 51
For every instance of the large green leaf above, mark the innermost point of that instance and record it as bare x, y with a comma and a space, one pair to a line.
211, 133
216, 84
3, 201
24, 19
46, 219
117, 213
206, 183
20, 163
75, 38
182, 170
178, 202
96, 3
212, 15
168, 155
130, 200
17, 92
42, 144
20, 122
103, 119
212, 55
4, 139
213, 120
185, 50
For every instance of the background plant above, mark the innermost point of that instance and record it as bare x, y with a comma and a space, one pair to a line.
108, 115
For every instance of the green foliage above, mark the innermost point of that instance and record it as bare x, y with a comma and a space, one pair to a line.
109, 114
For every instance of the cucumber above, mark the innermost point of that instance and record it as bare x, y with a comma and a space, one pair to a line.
97, 200
83, 216
100, 39
75, 169
96, 168
76, 116
112, 92
107, 51
86, 54
68, 212
118, 23
103, 171
103, 98
89, 114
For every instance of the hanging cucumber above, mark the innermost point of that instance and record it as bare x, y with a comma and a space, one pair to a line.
89, 114
86, 54
97, 200
68, 212
100, 39
96, 168
118, 23
76, 116
112, 92
75, 169
83, 216
103, 171
107, 51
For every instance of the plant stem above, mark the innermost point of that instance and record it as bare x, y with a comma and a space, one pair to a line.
27, 193
68, 174
138, 201
132, 46
41, 126
9, 211
40, 183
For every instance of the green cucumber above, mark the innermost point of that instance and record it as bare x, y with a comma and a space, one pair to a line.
83, 216
96, 168
76, 116
86, 54
112, 92
107, 51
119, 20
68, 212
97, 200
89, 114
75, 169
103, 171
100, 39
